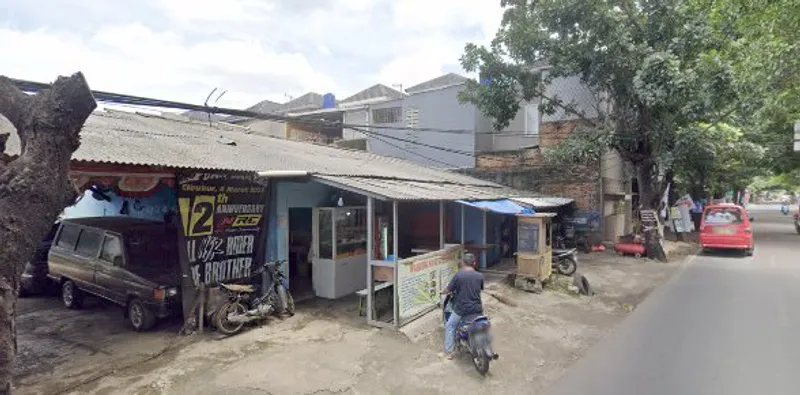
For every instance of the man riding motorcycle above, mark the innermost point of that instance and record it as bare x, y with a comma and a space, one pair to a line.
466, 287
785, 207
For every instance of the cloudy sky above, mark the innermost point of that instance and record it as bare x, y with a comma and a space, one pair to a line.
255, 49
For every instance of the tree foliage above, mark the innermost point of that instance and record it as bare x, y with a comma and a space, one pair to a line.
714, 158
656, 64
764, 45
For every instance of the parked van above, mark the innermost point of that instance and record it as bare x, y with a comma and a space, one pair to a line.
131, 262
726, 227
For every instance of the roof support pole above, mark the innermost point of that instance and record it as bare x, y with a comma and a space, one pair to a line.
396, 250
463, 224
441, 224
370, 257
483, 242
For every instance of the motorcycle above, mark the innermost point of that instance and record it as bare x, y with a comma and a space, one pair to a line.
565, 261
473, 338
246, 303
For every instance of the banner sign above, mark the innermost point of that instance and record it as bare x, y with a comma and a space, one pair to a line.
223, 224
420, 280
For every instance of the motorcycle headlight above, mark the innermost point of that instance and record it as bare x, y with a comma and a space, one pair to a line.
172, 291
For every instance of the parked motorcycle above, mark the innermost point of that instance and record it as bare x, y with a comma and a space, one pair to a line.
565, 261
473, 338
247, 303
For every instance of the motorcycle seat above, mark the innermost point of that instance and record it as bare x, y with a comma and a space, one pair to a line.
238, 288
466, 320
563, 251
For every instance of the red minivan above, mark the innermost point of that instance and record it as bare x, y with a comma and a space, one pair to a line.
726, 226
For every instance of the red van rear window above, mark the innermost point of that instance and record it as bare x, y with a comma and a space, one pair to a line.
724, 216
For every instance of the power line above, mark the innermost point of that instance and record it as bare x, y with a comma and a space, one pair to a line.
35, 87
466, 153
413, 152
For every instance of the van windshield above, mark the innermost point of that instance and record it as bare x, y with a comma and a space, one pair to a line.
152, 248
724, 216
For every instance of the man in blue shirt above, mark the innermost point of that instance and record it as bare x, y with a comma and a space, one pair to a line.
465, 288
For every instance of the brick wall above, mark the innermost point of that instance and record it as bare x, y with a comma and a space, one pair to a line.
528, 170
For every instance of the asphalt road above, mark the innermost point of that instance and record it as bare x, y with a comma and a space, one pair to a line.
723, 325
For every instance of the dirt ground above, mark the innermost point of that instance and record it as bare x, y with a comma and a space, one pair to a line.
326, 348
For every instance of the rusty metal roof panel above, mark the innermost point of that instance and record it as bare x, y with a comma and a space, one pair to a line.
419, 190
543, 202
141, 139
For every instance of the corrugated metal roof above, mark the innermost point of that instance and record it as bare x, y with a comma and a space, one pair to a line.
139, 139
420, 189
543, 202
438, 82
373, 92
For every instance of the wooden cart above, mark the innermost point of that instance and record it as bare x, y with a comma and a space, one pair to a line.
534, 250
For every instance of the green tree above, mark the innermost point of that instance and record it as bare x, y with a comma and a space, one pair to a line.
764, 47
714, 159
655, 63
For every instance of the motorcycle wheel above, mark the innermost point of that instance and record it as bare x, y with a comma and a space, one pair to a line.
223, 325
567, 266
481, 362
289, 306
797, 228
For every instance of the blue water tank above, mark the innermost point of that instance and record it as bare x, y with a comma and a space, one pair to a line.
329, 101
486, 81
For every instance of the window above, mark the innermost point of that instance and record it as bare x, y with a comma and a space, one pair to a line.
724, 216
89, 242
387, 115
112, 250
68, 237
531, 119
152, 248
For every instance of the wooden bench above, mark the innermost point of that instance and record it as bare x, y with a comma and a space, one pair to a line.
362, 299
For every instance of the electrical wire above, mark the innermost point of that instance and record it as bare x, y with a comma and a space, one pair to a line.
129, 100
35, 87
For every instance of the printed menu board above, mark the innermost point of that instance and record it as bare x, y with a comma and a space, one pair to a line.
421, 279
222, 217
528, 237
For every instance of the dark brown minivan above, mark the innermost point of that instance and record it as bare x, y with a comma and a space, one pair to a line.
131, 262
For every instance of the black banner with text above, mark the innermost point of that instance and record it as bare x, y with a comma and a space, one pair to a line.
223, 225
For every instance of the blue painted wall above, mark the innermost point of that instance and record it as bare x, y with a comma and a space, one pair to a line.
152, 208
474, 231
288, 195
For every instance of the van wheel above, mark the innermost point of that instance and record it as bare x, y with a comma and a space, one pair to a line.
140, 316
71, 295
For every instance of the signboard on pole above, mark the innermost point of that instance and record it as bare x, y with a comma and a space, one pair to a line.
222, 217
420, 280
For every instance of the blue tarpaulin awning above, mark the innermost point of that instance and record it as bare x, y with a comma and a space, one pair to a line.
499, 206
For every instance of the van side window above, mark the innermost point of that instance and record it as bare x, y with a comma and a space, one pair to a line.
89, 242
68, 237
112, 250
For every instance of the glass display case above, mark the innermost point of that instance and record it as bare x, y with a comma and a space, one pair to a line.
340, 251
351, 232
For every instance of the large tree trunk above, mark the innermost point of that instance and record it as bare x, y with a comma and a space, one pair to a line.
650, 193
35, 187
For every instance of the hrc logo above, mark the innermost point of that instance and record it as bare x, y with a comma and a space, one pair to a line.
246, 220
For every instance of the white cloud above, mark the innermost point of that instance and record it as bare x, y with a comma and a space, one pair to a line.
255, 49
